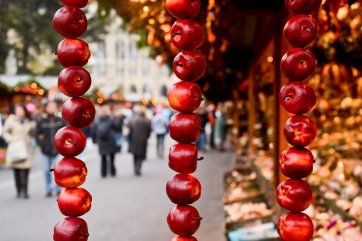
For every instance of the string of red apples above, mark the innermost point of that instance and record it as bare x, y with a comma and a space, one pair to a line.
78, 112
185, 97
298, 98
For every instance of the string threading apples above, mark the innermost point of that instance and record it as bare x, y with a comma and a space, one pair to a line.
185, 97
297, 98
78, 112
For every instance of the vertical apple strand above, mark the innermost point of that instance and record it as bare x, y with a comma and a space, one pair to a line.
78, 112
298, 98
185, 97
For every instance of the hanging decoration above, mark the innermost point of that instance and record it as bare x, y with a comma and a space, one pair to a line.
185, 97
298, 98
78, 112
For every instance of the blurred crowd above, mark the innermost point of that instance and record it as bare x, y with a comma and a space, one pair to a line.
116, 128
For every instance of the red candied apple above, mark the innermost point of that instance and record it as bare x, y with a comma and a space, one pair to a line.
183, 8
74, 81
191, 238
183, 189
70, 22
73, 52
185, 96
300, 31
74, 202
187, 34
297, 97
70, 172
184, 127
189, 65
303, 6
184, 220
78, 112
294, 195
75, 3
71, 229
298, 64
296, 162
182, 158
70, 141
295, 227
300, 131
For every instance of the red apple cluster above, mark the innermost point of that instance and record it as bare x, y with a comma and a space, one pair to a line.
78, 112
298, 98
185, 97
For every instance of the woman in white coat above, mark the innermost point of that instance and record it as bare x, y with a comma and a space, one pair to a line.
19, 126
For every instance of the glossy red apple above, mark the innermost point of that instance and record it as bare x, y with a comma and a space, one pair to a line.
294, 195
191, 238
295, 227
182, 158
74, 81
189, 65
298, 64
70, 172
300, 31
187, 34
71, 229
184, 127
183, 189
184, 220
185, 96
74, 202
297, 97
73, 52
75, 3
296, 162
183, 8
300, 131
70, 22
303, 6
70, 141
78, 112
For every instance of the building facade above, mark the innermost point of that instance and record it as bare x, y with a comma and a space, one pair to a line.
117, 64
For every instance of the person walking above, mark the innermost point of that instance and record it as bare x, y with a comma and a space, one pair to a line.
104, 135
139, 132
203, 116
46, 127
160, 128
18, 131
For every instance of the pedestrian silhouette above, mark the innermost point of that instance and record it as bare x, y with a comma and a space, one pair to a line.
139, 132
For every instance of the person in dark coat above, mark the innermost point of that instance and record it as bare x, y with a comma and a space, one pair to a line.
139, 132
105, 135
46, 127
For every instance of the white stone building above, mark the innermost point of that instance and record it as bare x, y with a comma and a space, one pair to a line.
117, 64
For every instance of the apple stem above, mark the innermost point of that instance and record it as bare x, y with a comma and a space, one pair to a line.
287, 96
314, 161
84, 235
70, 142
51, 170
178, 64
79, 79
175, 34
200, 158
197, 219
86, 114
200, 98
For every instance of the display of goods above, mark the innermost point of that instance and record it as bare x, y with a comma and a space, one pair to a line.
185, 97
71, 22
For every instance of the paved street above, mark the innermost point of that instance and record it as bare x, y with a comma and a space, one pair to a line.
125, 208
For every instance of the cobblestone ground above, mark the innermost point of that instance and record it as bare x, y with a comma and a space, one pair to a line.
125, 208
